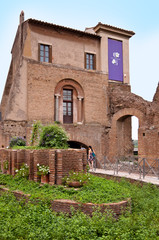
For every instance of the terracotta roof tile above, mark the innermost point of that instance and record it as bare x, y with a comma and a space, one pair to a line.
58, 27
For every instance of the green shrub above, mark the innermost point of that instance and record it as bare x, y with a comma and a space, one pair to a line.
23, 171
53, 136
42, 169
37, 221
80, 177
36, 131
6, 164
17, 141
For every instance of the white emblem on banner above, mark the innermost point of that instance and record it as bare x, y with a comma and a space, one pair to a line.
115, 58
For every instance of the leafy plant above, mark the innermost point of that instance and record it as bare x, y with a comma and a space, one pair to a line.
23, 171
36, 131
53, 136
17, 141
37, 221
42, 169
6, 164
80, 177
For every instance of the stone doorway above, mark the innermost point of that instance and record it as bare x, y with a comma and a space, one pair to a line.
121, 144
77, 145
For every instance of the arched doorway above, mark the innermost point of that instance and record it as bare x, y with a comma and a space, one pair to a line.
77, 145
121, 132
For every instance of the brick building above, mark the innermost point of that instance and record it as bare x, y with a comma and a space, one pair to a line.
79, 78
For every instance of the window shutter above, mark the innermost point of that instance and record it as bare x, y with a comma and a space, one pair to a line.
85, 60
94, 62
39, 52
50, 54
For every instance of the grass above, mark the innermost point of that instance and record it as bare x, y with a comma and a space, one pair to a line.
97, 190
29, 221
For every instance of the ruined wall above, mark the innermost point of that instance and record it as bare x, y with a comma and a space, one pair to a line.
9, 129
60, 162
123, 104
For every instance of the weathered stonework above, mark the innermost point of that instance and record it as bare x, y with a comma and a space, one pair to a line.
60, 162
101, 108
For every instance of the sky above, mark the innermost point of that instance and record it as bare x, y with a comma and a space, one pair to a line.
140, 16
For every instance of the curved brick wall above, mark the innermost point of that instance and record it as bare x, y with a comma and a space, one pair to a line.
65, 205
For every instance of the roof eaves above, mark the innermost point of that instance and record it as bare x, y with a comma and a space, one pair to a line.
113, 29
58, 27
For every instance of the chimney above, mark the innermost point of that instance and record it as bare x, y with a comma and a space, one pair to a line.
21, 18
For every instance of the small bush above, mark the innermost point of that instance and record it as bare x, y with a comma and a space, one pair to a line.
6, 164
23, 171
53, 136
42, 169
17, 141
36, 131
80, 177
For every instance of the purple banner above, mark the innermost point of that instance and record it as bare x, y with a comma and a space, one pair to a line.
115, 60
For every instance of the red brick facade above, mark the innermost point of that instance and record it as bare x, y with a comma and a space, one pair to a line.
101, 108
60, 162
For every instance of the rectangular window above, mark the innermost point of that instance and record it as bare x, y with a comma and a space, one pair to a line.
45, 53
67, 106
90, 62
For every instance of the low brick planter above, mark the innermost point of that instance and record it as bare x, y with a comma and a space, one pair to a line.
65, 205
18, 194
60, 162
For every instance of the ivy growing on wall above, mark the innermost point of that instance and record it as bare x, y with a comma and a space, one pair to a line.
36, 131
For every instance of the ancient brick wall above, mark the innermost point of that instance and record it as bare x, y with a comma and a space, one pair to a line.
66, 205
42, 80
124, 104
60, 162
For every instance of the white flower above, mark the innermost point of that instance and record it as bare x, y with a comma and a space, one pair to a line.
16, 170
38, 164
113, 61
117, 54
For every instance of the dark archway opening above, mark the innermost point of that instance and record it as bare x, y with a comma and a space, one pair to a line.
127, 138
77, 145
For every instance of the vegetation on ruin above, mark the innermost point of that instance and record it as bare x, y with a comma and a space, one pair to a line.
17, 141
43, 137
23, 171
53, 136
35, 133
37, 221
96, 190
81, 177
6, 164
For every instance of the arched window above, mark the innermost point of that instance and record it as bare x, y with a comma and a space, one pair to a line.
67, 106
69, 99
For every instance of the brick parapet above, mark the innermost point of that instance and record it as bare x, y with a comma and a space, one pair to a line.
60, 162
65, 205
